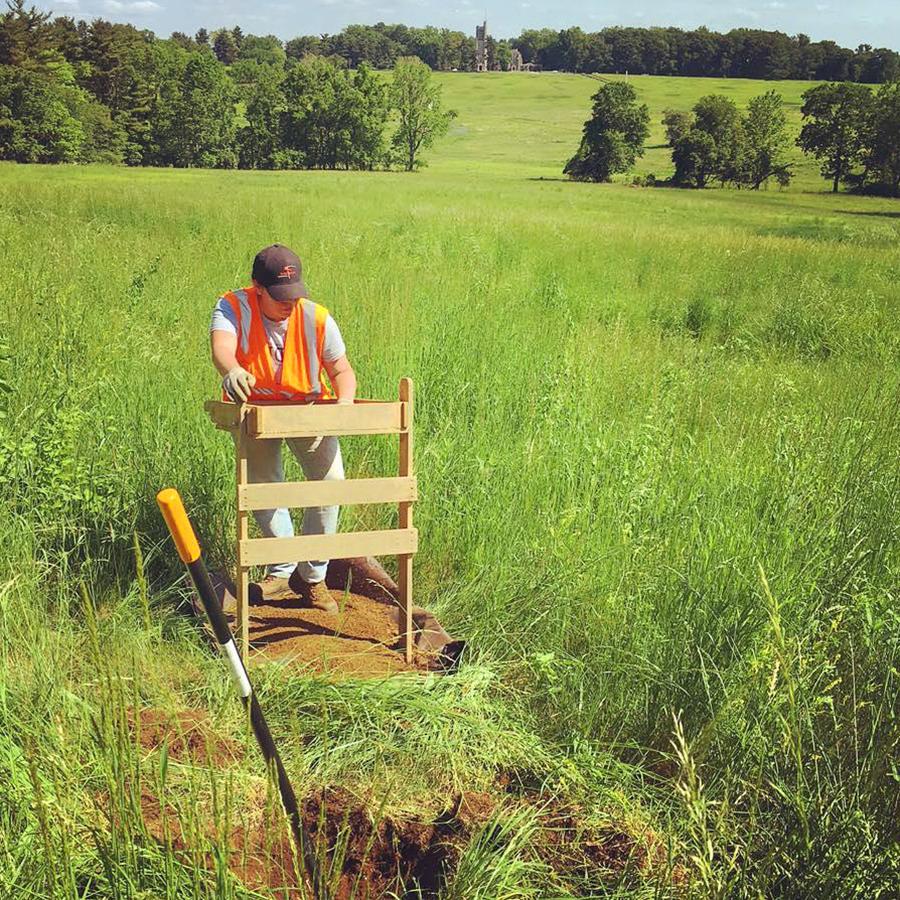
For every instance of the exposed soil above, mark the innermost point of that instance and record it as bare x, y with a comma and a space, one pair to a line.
359, 856
361, 641
187, 734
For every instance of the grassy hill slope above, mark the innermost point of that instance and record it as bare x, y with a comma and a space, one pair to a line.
530, 123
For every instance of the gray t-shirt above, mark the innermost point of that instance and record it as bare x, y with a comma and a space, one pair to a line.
224, 319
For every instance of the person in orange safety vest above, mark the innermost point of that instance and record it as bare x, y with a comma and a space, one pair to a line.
271, 342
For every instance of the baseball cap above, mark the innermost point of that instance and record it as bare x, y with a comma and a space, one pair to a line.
278, 270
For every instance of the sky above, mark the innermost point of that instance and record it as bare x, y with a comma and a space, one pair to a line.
875, 22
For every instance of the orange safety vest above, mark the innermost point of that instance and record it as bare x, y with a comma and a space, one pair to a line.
302, 375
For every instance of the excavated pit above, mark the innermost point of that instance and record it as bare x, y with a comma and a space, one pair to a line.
361, 641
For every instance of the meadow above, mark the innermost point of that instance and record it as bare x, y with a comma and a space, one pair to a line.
657, 448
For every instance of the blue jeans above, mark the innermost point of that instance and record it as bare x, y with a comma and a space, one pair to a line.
320, 459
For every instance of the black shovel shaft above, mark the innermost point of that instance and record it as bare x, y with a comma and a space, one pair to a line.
189, 550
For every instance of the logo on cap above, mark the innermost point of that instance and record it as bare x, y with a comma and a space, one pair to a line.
288, 272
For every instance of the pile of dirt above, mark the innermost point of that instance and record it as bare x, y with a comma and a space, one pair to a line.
361, 641
358, 857
186, 734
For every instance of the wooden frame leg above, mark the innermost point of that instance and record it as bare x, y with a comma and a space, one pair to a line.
405, 560
242, 575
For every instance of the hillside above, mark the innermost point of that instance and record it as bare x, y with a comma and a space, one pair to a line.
530, 123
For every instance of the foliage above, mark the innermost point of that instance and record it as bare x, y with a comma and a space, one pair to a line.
421, 116
198, 124
259, 141
613, 137
224, 46
835, 133
333, 118
36, 123
882, 152
765, 142
695, 156
677, 123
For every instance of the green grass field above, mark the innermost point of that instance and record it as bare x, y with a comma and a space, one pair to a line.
530, 123
658, 457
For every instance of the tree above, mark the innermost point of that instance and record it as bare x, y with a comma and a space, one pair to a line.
332, 118
198, 126
225, 46
718, 116
677, 124
25, 36
695, 158
202, 37
882, 155
259, 143
765, 141
422, 118
834, 131
614, 135
298, 47
36, 124
183, 40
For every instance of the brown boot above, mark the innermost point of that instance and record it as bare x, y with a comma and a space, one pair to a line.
315, 595
270, 588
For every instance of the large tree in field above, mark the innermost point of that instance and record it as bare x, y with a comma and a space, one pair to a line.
614, 135
422, 119
765, 141
882, 155
713, 146
837, 119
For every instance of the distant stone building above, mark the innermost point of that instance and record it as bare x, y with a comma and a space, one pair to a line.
481, 50
515, 60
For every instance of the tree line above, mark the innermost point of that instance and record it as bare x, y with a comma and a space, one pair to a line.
103, 92
853, 132
739, 53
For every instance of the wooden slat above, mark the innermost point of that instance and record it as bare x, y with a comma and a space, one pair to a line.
310, 420
264, 551
295, 494
226, 416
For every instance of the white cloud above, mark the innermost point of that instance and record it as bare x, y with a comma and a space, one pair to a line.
136, 6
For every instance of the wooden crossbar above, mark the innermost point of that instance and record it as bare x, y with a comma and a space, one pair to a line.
264, 551
327, 493
326, 419
286, 420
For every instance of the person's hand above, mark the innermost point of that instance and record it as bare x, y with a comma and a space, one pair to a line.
344, 401
238, 383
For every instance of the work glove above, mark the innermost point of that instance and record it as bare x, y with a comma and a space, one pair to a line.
238, 383
344, 401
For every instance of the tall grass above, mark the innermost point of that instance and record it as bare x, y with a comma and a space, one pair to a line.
657, 449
